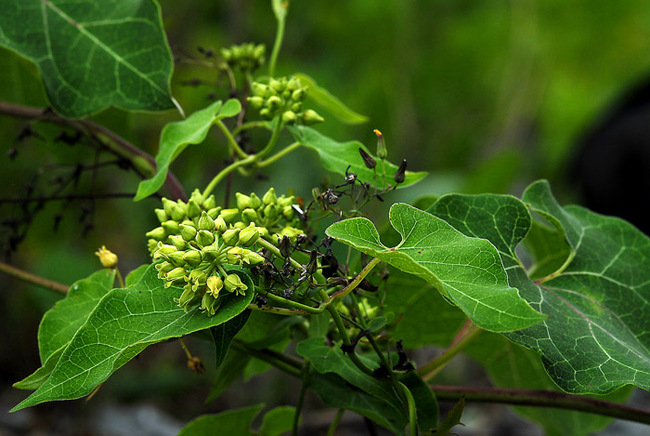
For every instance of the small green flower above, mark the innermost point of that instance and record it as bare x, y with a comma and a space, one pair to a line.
233, 283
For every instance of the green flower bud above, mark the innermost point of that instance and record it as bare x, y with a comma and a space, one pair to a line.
271, 211
249, 236
249, 215
164, 250
214, 212
107, 258
161, 215
381, 145
298, 94
152, 245
205, 237
205, 222
258, 52
289, 231
176, 274
188, 232
193, 258
288, 212
229, 215
270, 197
158, 233
286, 201
178, 242
178, 213
197, 197
168, 205
286, 94
255, 201
209, 203
171, 227
296, 107
310, 117
215, 285
164, 267
239, 225
274, 103
233, 283
293, 84
252, 258
176, 258
231, 236
256, 102
266, 114
193, 209
209, 304
289, 117
210, 252
277, 85
220, 225
243, 201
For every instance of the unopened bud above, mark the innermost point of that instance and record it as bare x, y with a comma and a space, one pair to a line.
381, 145
193, 209
220, 224
298, 94
205, 237
168, 205
273, 103
205, 222
231, 236
270, 197
193, 258
161, 215
158, 234
107, 258
256, 102
171, 227
310, 117
178, 213
400, 174
188, 232
249, 215
164, 250
229, 215
178, 242
255, 201
209, 203
243, 201
252, 258
214, 212
249, 236
368, 160
289, 117
271, 211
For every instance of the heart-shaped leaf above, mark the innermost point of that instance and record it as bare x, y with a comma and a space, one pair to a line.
124, 323
594, 339
93, 55
327, 101
468, 271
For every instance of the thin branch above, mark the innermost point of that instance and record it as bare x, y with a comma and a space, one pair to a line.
33, 279
109, 139
541, 398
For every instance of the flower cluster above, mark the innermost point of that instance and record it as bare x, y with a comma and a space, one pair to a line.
283, 97
197, 243
245, 57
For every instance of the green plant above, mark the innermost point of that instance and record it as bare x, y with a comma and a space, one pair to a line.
274, 268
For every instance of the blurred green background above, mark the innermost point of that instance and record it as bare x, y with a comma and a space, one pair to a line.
486, 96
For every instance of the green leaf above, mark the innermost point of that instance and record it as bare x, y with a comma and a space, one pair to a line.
277, 421
93, 57
327, 101
337, 156
60, 323
176, 136
125, 322
509, 365
594, 340
425, 401
452, 419
231, 422
466, 270
223, 334
548, 247
230, 369
336, 393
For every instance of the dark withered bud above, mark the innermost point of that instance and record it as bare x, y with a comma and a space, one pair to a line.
312, 265
331, 197
285, 246
330, 265
400, 174
368, 160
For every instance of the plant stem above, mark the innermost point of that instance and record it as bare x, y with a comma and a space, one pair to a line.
357, 280
286, 150
466, 335
279, 35
301, 398
346, 340
249, 125
224, 172
143, 163
274, 139
232, 144
269, 357
294, 304
275, 250
335, 422
541, 398
34, 279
